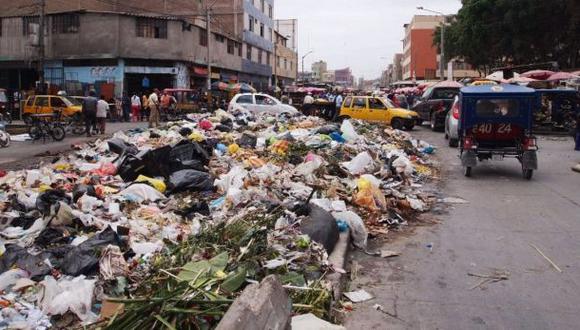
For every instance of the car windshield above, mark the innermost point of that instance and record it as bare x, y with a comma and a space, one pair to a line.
73, 101
388, 102
445, 93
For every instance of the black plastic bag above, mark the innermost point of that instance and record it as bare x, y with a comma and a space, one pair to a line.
190, 180
52, 236
224, 128
321, 227
84, 259
247, 141
18, 257
120, 147
185, 131
81, 189
197, 207
328, 129
47, 199
129, 167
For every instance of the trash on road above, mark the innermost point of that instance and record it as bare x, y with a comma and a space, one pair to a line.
558, 269
497, 276
389, 254
358, 296
157, 224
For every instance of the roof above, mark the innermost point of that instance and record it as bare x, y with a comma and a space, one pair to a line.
499, 89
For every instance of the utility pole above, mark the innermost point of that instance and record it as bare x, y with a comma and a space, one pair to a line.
42, 22
208, 30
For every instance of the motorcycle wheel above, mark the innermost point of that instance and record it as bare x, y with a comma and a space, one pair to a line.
35, 133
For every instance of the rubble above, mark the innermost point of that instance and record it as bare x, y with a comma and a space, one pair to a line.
172, 223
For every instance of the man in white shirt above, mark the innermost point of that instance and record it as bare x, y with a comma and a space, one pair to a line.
307, 104
135, 107
154, 109
102, 108
338, 103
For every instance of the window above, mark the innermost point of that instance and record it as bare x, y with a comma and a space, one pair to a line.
359, 102
27, 27
262, 30
220, 38
497, 108
285, 64
260, 56
270, 34
151, 28
376, 104
270, 11
57, 102
245, 99
445, 93
268, 58
251, 26
65, 23
203, 37
41, 101
239, 45
291, 65
249, 52
263, 6
30, 101
264, 100
230, 47
348, 102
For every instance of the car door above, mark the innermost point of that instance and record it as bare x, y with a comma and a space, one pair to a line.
246, 101
57, 104
346, 108
265, 103
360, 108
377, 110
42, 105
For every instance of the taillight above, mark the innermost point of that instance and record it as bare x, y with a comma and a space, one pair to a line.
469, 143
530, 143
455, 112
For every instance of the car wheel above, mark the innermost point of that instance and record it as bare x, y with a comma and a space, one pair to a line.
58, 133
434, 126
453, 143
35, 133
397, 123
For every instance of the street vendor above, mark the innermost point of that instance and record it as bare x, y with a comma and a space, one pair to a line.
307, 104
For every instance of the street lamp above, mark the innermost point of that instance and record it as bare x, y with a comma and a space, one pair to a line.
303, 57
442, 59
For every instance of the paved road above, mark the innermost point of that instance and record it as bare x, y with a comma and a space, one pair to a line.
22, 152
431, 289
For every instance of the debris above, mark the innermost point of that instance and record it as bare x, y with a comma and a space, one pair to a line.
548, 259
454, 200
389, 254
497, 276
358, 296
311, 322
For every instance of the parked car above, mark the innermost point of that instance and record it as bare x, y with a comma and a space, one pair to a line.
261, 103
377, 109
452, 124
436, 102
47, 104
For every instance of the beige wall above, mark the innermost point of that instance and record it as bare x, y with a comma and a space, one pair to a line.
284, 53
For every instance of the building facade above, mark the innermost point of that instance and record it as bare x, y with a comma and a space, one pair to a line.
318, 70
344, 77
285, 63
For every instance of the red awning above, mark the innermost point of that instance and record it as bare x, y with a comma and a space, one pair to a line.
200, 71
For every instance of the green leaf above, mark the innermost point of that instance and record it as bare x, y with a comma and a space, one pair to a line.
198, 269
293, 278
235, 280
167, 324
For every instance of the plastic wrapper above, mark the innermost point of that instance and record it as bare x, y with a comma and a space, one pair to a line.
155, 183
141, 192
359, 164
348, 131
75, 295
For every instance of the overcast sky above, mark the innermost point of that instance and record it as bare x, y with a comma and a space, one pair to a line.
355, 33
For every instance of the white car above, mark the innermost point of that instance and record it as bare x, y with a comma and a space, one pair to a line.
261, 103
452, 123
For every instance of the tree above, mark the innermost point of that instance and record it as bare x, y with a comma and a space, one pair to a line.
489, 33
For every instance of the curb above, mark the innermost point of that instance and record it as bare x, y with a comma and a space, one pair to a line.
338, 259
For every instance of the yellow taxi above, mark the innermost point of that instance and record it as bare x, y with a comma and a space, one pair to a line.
378, 109
47, 104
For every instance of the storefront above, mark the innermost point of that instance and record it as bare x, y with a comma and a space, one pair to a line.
140, 79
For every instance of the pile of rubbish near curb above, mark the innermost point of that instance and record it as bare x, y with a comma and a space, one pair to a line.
165, 227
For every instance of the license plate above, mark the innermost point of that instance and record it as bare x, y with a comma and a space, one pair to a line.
497, 157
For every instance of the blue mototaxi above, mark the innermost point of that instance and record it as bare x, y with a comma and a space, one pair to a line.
495, 122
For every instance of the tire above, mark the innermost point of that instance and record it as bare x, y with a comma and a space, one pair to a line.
397, 123
467, 171
35, 133
528, 174
4, 139
453, 143
58, 133
433, 124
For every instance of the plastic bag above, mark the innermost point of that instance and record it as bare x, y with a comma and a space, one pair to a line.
118, 146
190, 180
89, 203
76, 295
112, 263
64, 216
50, 198
247, 141
106, 169
234, 179
357, 227
83, 189
359, 164
321, 227
10, 277
348, 131
155, 183
141, 192
403, 165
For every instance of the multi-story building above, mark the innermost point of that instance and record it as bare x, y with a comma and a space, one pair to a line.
318, 70
397, 67
328, 77
344, 77
285, 63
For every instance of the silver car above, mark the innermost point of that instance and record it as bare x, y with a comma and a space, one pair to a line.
452, 124
261, 103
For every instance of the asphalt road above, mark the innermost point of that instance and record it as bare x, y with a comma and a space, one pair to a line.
429, 288
21, 154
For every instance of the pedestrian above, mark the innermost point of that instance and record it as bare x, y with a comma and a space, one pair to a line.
165, 103
89, 110
577, 137
135, 107
154, 109
307, 104
102, 107
126, 105
144, 107
118, 108
338, 104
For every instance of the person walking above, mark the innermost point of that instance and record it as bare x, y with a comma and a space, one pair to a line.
102, 107
89, 110
135, 107
144, 107
337, 105
126, 105
307, 104
154, 109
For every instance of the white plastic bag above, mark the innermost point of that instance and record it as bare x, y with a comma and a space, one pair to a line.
348, 131
359, 164
141, 192
403, 165
10, 277
234, 179
76, 295
357, 227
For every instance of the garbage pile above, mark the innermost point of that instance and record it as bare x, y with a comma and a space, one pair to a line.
166, 226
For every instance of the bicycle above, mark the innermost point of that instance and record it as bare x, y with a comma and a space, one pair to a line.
42, 127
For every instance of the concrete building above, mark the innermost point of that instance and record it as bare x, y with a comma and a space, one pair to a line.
344, 77
328, 77
285, 63
397, 67
318, 70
